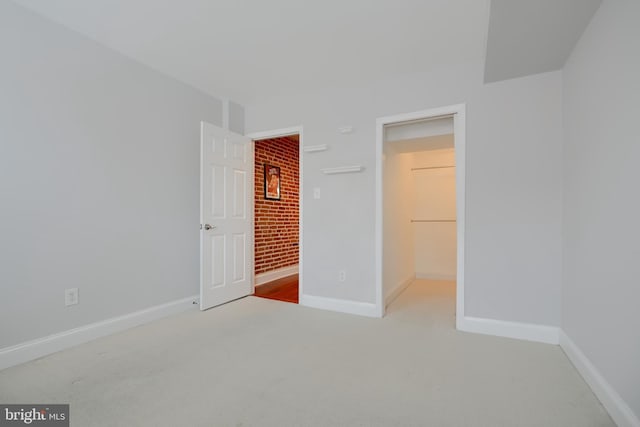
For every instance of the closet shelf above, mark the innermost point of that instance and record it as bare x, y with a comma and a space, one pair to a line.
433, 220
432, 167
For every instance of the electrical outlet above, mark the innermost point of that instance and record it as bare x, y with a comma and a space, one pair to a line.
71, 296
342, 276
316, 193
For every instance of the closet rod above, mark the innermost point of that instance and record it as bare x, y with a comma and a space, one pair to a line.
433, 220
432, 167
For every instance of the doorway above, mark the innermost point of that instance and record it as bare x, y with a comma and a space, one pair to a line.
277, 213
420, 203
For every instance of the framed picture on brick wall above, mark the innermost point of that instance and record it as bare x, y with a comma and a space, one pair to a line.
271, 182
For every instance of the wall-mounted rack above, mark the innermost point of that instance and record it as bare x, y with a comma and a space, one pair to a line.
315, 148
343, 169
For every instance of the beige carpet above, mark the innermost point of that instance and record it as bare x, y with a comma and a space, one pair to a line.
257, 362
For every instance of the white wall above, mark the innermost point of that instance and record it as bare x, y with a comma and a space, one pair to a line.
513, 189
99, 180
398, 236
236, 118
435, 199
601, 294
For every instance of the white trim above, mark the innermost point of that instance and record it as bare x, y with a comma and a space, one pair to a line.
30, 350
459, 125
400, 288
340, 305
342, 169
251, 259
294, 130
436, 276
379, 209
617, 408
272, 275
517, 330
460, 138
201, 209
276, 133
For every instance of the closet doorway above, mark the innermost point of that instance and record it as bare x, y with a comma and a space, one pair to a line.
420, 209
277, 215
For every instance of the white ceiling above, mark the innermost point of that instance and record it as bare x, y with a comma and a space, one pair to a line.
533, 36
247, 49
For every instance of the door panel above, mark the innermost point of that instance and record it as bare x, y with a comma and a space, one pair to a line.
217, 196
239, 194
239, 256
226, 235
217, 258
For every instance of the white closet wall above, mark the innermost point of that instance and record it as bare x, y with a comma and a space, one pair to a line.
398, 247
434, 214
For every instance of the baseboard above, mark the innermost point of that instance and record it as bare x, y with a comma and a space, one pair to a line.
395, 292
30, 350
501, 328
436, 276
342, 306
618, 409
270, 276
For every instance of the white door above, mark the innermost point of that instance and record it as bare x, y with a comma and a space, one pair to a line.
226, 182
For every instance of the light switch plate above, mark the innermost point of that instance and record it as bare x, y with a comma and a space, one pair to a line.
71, 296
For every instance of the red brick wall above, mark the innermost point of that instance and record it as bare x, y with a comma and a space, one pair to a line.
276, 221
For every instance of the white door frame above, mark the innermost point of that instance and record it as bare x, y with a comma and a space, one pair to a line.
277, 133
459, 127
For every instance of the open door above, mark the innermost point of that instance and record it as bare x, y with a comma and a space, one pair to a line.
226, 179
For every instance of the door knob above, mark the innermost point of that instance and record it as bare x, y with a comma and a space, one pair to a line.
209, 227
